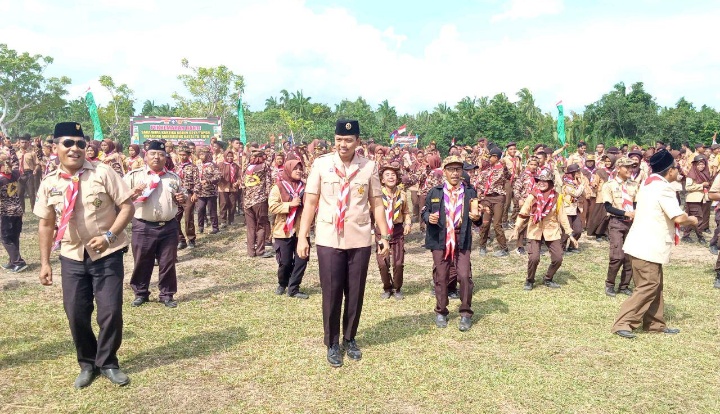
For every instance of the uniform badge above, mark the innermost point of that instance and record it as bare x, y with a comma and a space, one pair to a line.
54, 191
252, 180
361, 190
75, 178
348, 126
435, 200
12, 189
97, 202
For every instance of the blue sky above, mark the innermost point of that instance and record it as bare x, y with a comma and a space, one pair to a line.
416, 54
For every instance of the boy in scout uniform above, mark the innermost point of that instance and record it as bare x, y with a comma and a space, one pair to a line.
648, 243
449, 216
189, 180
156, 195
11, 214
398, 218
91, 206
573, 193
491, 190
619, 194
29, 166
207, 194
344, 188
697, 184
513, 163
257, 183
545, 218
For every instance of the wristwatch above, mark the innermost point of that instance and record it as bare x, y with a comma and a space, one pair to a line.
385, 237
110, 237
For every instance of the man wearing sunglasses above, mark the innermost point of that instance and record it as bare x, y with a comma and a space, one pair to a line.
91, 206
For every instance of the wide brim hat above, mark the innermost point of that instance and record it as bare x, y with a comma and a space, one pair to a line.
572, 168
453, 159
395, 166
545, 175
625, 162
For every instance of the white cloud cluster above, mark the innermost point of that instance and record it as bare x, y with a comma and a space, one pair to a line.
330, 55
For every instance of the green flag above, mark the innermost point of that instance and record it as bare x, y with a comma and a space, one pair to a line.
92, 109
241, 121
561, 123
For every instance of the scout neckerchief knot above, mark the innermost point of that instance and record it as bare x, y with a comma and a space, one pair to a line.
71, 194
543, 204
627, 202
652, 179
453, 199
154, 182
289, 227
343, 196
392, 203
232, 171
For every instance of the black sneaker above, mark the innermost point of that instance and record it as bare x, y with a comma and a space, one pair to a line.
520, 251
139, 301
714, 250
299, 295
686, 239
334, 356
483, 251
610, 291
7, 266
501, 253
441, 321
182, 245
169, 303
716, 285
551, 284
453, 294
19, 268
625, 291
528, 286
279, 290
352, 350
465, 323
191, 244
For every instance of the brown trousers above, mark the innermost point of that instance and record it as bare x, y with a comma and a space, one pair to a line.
441, 272
576, 227
645, 307
227, 206
556, 258
696, 210
509, 199
617, 231
588, 205
27, 187
597, 221
256, 220
496, 204
714, 240
396, 258
343, 273
415, 199
188, 211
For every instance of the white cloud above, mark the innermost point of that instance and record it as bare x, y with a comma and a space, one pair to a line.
528, 9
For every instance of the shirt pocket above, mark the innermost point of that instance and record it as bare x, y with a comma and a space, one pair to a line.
97, 200
56, 202
359, 190
330, 186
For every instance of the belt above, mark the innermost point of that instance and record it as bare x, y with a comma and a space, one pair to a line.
154, 223
620, 218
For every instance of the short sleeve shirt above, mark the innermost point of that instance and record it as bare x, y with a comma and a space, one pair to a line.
160, 205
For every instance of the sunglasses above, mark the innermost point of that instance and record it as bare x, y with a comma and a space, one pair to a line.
68, 143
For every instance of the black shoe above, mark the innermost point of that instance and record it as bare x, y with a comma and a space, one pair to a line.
7, 266
701, 240
714, 250
334, 356
441, 321
671, 331
191, 244
625, 291
398, 295
521, 251
528, 286
214, 231
169, 303
386, 295
573, 250
201, 230
598, 239
299, 295
465, 323
352, 350
686, 239
501, 253
268, 254
625, 334
707, 230
139, 301
85, 378
716, 285
115, 376
453, 294
551, 284
182, 245
19, 268
279, 290
610, 291
483, 251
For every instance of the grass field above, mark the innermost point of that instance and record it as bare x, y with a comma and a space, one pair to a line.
233, 346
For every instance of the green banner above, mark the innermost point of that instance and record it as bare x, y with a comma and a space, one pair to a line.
561, 123
241, 121
177, 130
92, 109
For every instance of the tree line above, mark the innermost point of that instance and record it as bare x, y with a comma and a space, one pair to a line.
31, 102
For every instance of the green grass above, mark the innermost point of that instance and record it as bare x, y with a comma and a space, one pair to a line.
233, 346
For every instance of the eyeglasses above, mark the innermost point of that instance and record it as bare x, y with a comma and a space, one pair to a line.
68, 143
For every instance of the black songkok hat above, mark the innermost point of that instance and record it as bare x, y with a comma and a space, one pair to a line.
496, 152
346, 127
156, 146
68, 129
661, 161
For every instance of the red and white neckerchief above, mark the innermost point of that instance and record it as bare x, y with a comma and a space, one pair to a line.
627, 201
652, 179
289, 227
392, 203
154, 178
252, 168
543, 204
492, 169
71, 194
233, 171
453, 199
181, 169
343, 196
591, 171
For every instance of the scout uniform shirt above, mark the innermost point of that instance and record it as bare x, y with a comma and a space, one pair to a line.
695, 192
281, 209
404, 217
101, 192
160, 206
652, 234
571, 193
326, 183
549, 226
28, 160
613, 193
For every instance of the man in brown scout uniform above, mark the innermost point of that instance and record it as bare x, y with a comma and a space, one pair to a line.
190, 181
449, 213
29, 167
344, 188
649, 241
257, 181
619, 194
157, 193
92, 206
207, 193
398, 218
572, 191
491, 190
513, 163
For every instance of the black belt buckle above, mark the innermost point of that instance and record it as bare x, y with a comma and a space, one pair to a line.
161, 223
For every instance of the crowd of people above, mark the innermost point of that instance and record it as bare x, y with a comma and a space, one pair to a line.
352, 194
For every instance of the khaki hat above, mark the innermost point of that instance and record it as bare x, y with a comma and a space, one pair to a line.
590, 157
453, 159
625, 162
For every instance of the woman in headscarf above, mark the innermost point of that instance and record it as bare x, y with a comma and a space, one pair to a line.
134, 160
111, 157
228, 188
597, 223
286, 202
697, 184
91, 152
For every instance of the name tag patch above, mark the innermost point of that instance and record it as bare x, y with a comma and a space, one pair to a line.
434, 200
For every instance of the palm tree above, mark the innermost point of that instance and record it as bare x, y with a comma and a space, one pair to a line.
271, 103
